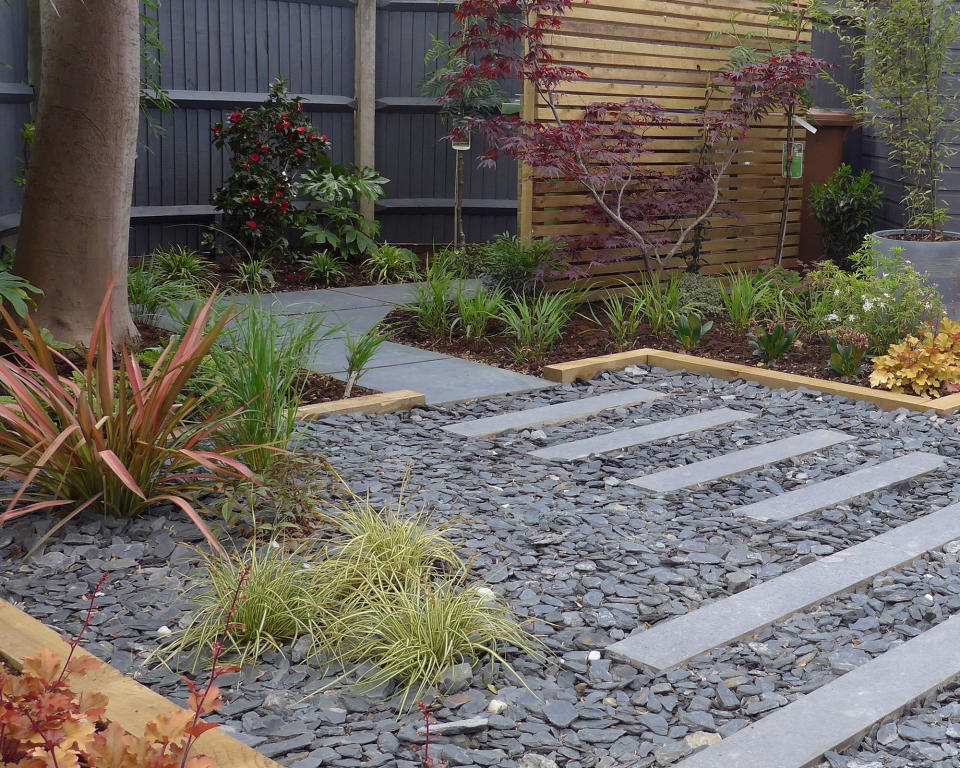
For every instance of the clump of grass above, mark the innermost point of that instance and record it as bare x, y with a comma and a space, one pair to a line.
284, 598
181, 264
537, 323
360, 350
475, 310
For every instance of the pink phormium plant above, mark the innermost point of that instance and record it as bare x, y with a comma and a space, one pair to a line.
650, 210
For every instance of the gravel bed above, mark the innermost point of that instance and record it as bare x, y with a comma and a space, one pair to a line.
588, 559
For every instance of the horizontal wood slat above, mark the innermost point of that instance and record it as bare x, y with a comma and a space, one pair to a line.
666, 50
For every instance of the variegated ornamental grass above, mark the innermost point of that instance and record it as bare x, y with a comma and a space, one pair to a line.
112, 435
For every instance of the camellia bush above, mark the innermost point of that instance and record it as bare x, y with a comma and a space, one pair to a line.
271, 146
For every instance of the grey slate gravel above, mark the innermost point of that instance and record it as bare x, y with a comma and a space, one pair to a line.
587, 559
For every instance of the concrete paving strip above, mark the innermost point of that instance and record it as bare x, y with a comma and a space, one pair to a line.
724, 621
626, 438
826, 493
552, 414
738, 462
831, 717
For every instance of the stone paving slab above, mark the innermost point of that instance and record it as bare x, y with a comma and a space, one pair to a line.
678, 640
552, 414
450, 380
738, 462
626, 438
834, 715
817, 496
306, 302
332, 356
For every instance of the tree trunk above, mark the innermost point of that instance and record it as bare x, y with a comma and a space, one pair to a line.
75, 225
459, 239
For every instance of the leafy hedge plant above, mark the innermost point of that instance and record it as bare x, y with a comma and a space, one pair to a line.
845, 206
924, 365
110, 435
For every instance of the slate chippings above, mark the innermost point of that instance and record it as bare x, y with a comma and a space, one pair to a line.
588, 559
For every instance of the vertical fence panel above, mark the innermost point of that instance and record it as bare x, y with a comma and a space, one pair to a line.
14, 106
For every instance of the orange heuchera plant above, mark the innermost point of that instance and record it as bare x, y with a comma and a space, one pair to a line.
923, 366
44, 723
109, 434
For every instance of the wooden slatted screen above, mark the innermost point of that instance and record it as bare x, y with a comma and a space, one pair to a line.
664, 50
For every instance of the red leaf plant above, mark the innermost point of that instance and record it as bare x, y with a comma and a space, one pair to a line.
109, 434
44, 723
649, 210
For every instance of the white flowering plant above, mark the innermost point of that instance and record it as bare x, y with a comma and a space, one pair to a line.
883, 297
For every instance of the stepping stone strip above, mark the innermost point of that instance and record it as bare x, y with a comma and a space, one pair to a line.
678, 640
552, 414
625, 438
817, 496
739, 461
831, 717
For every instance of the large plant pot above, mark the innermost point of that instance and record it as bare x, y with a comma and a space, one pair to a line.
939, 260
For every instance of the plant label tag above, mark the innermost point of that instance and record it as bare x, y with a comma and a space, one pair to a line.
793, 161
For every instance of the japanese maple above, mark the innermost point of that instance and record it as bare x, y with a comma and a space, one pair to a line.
606, 147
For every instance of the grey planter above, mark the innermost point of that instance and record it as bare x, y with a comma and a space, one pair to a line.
940, 261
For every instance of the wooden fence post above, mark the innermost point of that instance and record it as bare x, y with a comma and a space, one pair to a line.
365, 74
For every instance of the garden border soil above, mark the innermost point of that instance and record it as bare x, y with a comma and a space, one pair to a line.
588, 367
131, 705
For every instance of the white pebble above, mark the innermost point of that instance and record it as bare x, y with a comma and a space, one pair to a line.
164, 631
496, 707
593, 656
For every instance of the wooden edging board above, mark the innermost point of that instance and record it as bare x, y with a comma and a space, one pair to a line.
384, 402
589, 367
131, 705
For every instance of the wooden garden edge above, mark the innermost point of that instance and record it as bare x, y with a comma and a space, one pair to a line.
131, 705
588, 367
384, 402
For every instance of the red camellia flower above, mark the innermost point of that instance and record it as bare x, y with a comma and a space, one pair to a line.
252, 225
298, 151
235, 117
284, 205
310, 137
255, 199
254, 158
301, 129
323, 138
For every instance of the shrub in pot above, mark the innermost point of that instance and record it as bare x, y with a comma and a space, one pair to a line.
909, 100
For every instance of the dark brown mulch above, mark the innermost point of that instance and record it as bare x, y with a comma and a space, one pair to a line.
583, 337
323, 389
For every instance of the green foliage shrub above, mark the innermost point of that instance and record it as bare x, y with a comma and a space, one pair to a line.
516, 265
845, 206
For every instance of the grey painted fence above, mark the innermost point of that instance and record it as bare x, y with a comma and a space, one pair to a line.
223, 54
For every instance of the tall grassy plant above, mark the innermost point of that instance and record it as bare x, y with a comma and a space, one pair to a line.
622, 318
661, 302
114, 436
431, 302
258, 372
476, 309
746, 297
536, 323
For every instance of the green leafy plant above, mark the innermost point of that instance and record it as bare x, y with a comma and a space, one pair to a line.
258, 368
343, 229
770, 344
623, 318
476, 309
691, 330
847, 352
324, 267
536, 323
149, 290
360, 350
701, 293
845, 206
110, 435
254, 276
271, 146
516, 265
662, 302
15, 291
431, 302
183, 265
390, 264
746, 297
882, 297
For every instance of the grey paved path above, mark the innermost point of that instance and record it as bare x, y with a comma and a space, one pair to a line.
678, 640
832, 716
441, 378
